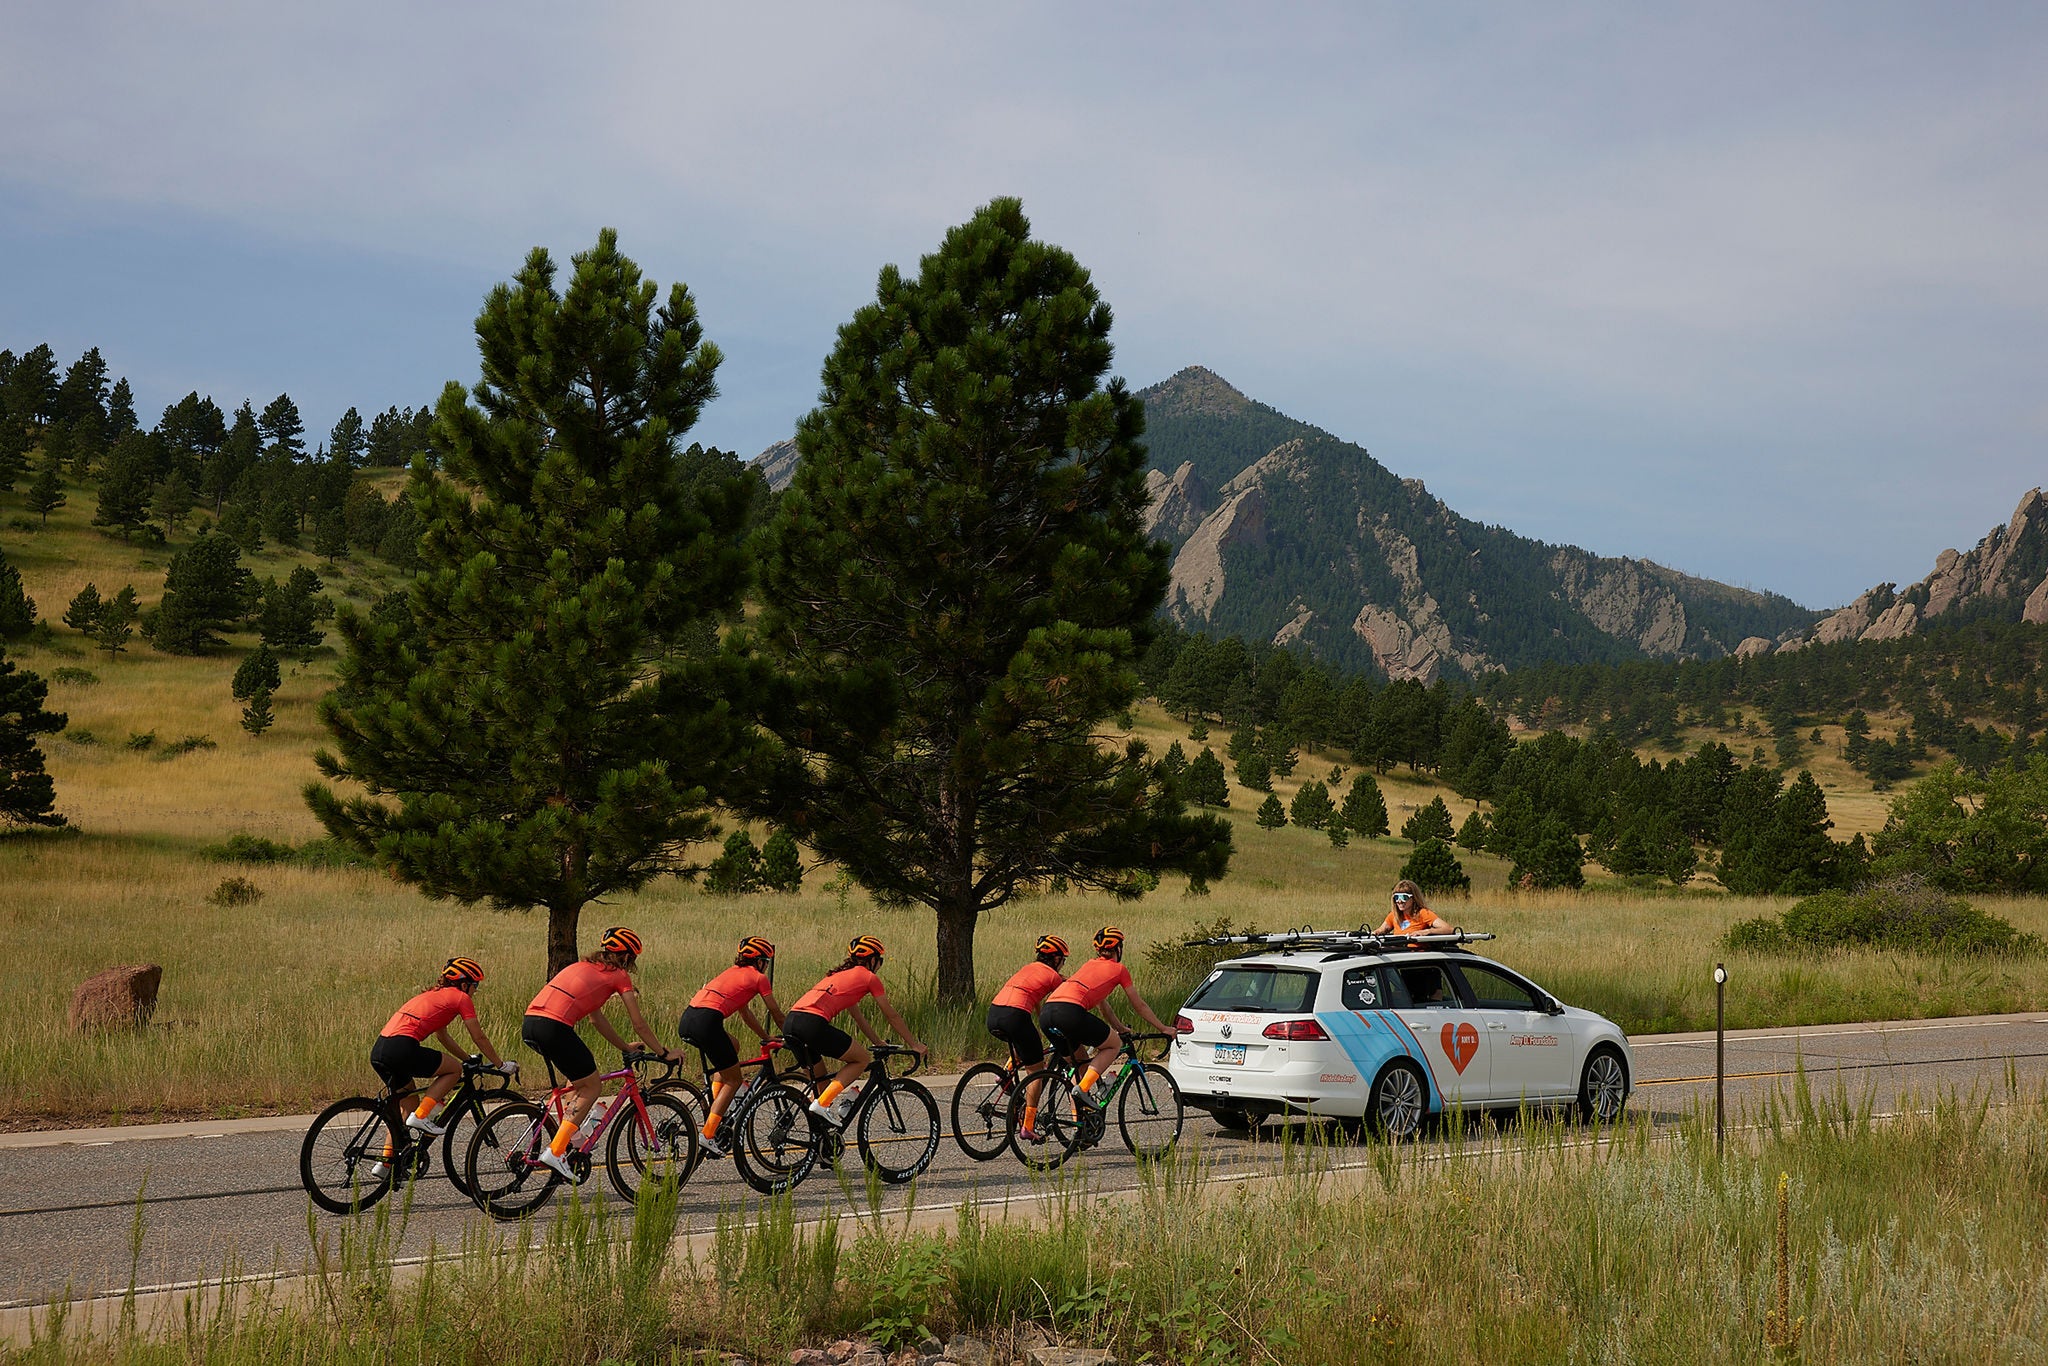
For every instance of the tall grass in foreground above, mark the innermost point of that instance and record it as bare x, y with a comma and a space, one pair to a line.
1826, 1235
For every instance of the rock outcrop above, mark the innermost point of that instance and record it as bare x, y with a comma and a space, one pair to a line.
1623, 599
119, 998
1179, 503
777, 464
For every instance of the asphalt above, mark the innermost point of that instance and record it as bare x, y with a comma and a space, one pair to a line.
95, 1211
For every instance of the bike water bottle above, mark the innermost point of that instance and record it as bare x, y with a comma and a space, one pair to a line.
594, 1119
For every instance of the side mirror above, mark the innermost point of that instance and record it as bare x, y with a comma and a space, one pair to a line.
1552, 1006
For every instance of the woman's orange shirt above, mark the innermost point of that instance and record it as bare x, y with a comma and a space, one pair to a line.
1029, 986
577, 990
1423, 919
429, 1011
840, 991
732, 990
1092, 982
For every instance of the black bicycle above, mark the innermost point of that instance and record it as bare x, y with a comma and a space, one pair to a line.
1142, 1094
894, 1121
358, 1148
981, 1107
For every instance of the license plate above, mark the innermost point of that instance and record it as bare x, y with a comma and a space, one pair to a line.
1231, 1053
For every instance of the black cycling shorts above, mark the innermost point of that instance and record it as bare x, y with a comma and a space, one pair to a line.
704, 1029
1079, 1026
1016, 1028
398, 1059
815, 1035
558, 1044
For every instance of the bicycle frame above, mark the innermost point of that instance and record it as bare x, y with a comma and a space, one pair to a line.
556, 1108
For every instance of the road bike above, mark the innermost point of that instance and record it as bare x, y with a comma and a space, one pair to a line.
981, 1107
894, 1121
646, 1135
1140, 1092
359, 1147
767, 1126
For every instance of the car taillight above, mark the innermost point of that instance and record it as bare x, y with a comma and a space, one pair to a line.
1296, 1031
1183, 1025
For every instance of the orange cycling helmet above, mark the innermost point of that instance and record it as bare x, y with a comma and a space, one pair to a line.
867, 946
1109, 937
460, 970
755, 948
619, 939
1052, 943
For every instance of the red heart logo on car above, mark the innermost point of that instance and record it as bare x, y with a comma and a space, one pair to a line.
1460, 1043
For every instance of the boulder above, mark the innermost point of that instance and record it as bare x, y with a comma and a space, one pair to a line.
119, 998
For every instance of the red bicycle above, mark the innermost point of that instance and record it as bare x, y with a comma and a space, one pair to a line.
645, 1134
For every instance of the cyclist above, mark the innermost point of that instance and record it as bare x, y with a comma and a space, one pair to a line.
730, 993
400, 1053
576, 993
809, 1023
1013, 1019
1068, 1011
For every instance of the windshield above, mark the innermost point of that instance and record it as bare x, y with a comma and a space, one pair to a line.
1271, 991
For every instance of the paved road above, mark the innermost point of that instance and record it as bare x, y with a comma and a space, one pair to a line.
225, 1196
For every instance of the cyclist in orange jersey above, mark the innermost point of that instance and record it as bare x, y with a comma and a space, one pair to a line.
400, 1053
1068, 1010
730, 993
809, 1022
573, 995
1012, 1018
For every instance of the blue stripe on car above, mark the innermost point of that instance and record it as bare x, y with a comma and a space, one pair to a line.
1371, 1048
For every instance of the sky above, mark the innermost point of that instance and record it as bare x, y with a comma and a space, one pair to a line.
1756, 291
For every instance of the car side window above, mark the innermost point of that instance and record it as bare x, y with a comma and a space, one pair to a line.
1362, 989
1429, 986
1495, 990
1393, 991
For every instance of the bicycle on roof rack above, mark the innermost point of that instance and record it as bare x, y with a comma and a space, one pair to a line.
1359, 940
359, 1147
1144, 1095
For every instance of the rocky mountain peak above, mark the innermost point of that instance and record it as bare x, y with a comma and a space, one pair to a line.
1194, 391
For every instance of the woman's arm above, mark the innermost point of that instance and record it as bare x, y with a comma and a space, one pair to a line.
632, 1000
862, 1020
753, 1022
903, 1030
604, 1027
1144, 1011
774, 1009
483, 1043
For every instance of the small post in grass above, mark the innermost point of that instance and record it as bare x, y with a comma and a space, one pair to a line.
1720, 1059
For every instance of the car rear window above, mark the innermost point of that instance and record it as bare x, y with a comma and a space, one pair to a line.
1272, 991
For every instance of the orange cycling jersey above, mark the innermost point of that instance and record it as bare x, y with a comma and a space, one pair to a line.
1029, 986
1092, 982
429, 1011
1423, 919
838, 992
732, 990
577, 990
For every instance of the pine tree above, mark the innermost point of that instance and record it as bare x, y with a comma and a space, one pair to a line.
1434, 868
1430, 822
46, 494
257, 716
737, 869
13, 450
330, 536
1472, 834
283, 429
1554, 859
1339, 833
258, 672
121, 410
347, 444
782, 867
117, 623
940, 746
364, 514
1255, 771
239, 450
17, 608
27, 796
172, 503
202, 594
83, 394
125, 486
547, 742
289, 621
1207, 785
1312, 807
32, 386
1271, 815
239, 523
83, 615
1365, 810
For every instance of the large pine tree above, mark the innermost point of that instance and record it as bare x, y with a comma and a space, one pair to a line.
958, 587
27, 796
526, 726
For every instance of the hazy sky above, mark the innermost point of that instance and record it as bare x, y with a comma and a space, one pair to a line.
1760, 292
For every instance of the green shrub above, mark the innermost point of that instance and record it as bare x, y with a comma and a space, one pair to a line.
70, 675
1434, 868
145, 740
235, 891
249, 849
78, 736
177, 749
737, 870
1180, 965
1904, 914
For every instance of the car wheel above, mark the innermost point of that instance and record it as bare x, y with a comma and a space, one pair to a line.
1603, 1087
1398, 1102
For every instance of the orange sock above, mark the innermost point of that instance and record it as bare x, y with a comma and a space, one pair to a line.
560, 1144
829, 1094
1088, 1080
1031, 1117
427, 1104
711, 1124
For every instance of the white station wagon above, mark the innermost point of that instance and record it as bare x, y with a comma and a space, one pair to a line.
1389, 1030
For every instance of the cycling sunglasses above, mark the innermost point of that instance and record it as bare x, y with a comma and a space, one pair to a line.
1404, 896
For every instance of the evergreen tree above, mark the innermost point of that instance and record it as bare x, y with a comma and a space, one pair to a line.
940, 746
1312, 807
13, 450
289, 620
257, 716
737, 869
330, 536
399, 546
82, 397
1207, 785
1255, 771
83, 615
32, 386
258, 672
46, 494
27, 796
1271, 815
1280, 752
125, 487
546, 743
239, 523
364, 514
782, 868
1472, 834
116, 624
121, 410
1434, 868
1365, 810
281, 518
239, 451
1340, 833
1555, 858
283, 430
17, 608
1430, 822
202, 594
173, 502
347, 444
1176, 760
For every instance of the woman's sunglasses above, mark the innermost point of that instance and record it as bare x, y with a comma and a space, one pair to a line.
1404, 896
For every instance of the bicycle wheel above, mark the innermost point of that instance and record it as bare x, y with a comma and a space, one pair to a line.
461, 1118
899, 1131
1059, 1122
1148, 1110
347, 1160
633, 1159
981, 1111
690, 1094
772, 1142
505, 1179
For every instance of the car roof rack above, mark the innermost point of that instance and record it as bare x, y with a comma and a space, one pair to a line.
1361, 940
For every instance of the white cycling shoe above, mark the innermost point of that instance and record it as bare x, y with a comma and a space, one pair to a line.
558, 1164
825, 1113
425, 1126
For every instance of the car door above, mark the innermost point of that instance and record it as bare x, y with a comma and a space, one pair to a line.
1532, 1050
1452, 1039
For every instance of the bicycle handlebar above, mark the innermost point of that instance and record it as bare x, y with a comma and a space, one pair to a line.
890, 1050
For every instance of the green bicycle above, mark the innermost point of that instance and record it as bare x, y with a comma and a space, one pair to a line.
1138, 1090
